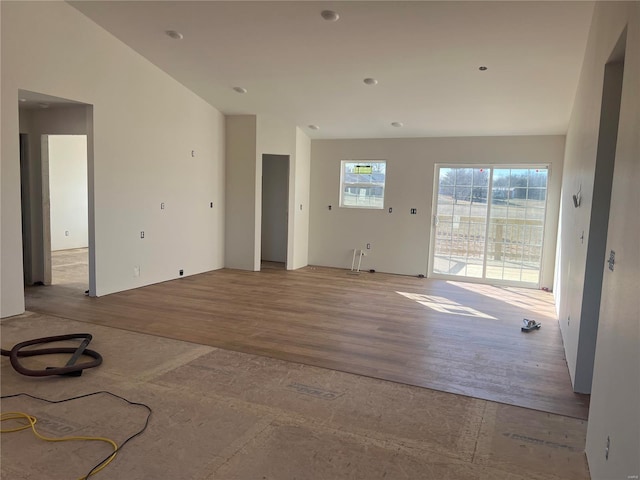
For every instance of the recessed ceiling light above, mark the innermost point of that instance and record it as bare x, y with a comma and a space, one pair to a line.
370, 81
397, 124
330, 15
175, 35
482, 68
314, 127
240, 89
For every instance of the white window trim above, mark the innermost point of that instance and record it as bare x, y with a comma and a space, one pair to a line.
341, 186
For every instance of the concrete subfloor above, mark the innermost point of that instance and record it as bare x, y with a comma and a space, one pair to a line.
219, 414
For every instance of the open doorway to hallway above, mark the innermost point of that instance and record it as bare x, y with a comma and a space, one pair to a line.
55, 161
275, 211
64, 158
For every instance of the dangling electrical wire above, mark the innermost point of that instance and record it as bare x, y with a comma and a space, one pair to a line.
31, 422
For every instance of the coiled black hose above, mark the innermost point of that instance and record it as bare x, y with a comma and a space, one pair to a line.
70, 369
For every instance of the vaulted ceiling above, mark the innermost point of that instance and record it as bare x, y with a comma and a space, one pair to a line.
425, 56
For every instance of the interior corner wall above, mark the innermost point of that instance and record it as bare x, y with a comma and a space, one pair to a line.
248, 137
614, 413
11, 278
146, 126
400, 241
299, 248
241, 193
578, 300
276, 136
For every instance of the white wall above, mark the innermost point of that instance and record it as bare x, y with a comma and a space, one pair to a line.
615, 409
145, 127
299, 247
248, 138
9, 287
68, 193
274, 136
400, 241
581, 263
241, 185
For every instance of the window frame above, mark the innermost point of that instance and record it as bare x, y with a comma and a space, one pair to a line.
365, 162
484, 279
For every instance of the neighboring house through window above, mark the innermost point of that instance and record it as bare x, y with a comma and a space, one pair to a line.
362, 183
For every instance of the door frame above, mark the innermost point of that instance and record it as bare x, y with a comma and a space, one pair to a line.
46, 200
288, 226
432, 235
31, 235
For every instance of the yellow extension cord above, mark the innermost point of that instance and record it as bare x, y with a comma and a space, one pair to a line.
32, 424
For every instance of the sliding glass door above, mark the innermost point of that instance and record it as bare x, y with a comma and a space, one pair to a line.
460, 222
489, 223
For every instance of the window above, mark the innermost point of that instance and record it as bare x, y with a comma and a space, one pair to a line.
362, 183
489, 222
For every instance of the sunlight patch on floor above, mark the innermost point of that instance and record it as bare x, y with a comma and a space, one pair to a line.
444, 305
528, 299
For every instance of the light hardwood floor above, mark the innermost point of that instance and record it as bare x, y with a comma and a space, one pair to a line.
454, 337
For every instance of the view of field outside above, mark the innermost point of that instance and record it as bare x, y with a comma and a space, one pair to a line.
513, 211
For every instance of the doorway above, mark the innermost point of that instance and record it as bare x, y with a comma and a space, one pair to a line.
65, 215
489, 223
56, 150
599, 225
275, 211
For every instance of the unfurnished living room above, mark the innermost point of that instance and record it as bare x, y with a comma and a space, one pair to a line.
320, 240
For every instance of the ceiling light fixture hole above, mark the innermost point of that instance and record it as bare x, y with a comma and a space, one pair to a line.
330, 15
175, 35
397, 124
370, 81
314, 127
482, 68
240, 89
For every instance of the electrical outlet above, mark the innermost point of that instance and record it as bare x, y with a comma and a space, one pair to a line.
66, 233
390, 210
414, 211
136, 271
181, 272
368, 246
142, 234
162, 206
210, 204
